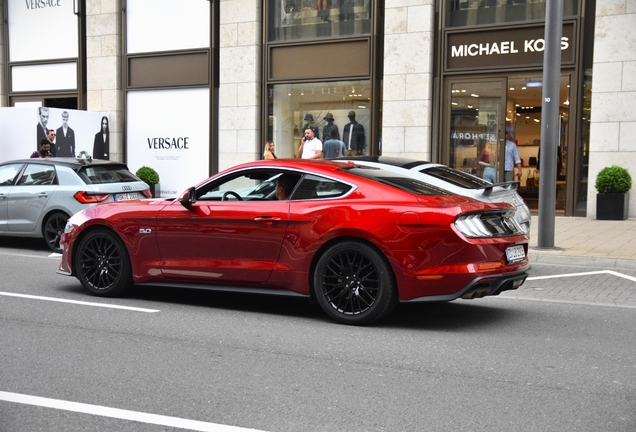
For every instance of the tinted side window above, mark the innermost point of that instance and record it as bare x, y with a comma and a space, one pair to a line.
395, 180
36, 174
312, 187
8, 174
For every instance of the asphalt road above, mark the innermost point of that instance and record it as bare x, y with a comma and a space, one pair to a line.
197, 360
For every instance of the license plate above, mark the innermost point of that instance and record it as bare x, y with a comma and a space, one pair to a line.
126, 196
515, 254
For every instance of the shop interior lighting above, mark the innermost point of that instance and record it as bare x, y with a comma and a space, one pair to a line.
534, 84
474, 95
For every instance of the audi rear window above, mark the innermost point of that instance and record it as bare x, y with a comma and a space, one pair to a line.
104, 174
399, 181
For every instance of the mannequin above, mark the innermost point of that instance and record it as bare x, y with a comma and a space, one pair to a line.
330, 130
353, 136
310, 124
323, 9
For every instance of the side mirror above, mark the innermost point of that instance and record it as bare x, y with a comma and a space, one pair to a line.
188, 198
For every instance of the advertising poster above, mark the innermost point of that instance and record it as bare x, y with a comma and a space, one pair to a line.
163, 25
171, 135
78, 133
42, 29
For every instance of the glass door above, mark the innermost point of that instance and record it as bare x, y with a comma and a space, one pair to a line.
474, 140
523, 121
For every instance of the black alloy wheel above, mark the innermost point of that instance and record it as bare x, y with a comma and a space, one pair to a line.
102, 263
354, 284
53, 229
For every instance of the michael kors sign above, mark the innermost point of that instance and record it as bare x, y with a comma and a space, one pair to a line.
501, 48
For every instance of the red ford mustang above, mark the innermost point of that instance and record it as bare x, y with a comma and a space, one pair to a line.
356, 239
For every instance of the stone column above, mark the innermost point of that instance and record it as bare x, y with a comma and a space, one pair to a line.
613, 119
407, 87
104, 67
240, 82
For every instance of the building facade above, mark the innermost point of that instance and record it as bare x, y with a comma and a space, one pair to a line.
195, 86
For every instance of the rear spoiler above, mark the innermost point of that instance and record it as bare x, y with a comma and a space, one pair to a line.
510, 185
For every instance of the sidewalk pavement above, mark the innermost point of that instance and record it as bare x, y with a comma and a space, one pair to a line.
587, 241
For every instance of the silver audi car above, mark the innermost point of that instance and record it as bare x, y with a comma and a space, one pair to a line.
37, 196
455, 181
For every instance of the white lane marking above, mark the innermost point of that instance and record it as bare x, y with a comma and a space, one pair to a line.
53, 299
29, 256
119, 413
631, 278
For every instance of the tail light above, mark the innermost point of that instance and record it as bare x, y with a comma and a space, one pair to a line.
488, 225
147, 193
89, 198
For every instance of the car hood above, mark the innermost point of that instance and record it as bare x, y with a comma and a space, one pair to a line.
108, 209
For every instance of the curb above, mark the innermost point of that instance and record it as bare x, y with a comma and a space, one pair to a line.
582, 261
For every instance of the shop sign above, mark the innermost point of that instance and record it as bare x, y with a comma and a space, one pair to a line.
510, 47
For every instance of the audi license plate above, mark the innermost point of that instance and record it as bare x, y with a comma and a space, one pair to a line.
126, 196
515, 254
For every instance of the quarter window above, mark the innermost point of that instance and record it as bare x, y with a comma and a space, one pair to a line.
313, 187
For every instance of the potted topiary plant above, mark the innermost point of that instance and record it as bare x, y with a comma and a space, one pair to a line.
612, 199
151, 178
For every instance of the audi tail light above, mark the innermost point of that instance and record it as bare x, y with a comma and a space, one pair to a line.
90, 198
147, 193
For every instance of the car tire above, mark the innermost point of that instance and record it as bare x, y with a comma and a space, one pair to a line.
52, 230
102, 264
354, 284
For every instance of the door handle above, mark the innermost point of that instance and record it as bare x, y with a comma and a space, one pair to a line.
266, 218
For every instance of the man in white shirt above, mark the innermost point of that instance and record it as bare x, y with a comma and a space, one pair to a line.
310, 147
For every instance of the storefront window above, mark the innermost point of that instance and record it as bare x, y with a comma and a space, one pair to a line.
337, 111
311, 19
478, 12
476, 110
